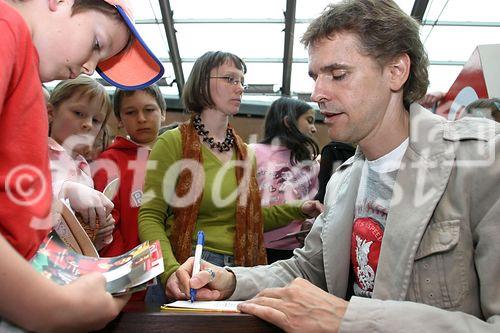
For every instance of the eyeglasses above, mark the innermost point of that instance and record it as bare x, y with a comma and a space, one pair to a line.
231, 80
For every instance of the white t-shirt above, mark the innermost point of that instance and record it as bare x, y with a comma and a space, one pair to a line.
371, 210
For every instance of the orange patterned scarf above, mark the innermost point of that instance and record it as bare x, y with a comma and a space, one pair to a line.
249, 247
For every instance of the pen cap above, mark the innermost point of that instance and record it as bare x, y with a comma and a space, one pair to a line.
201, 238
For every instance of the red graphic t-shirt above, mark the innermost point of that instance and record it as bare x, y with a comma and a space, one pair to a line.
372, 207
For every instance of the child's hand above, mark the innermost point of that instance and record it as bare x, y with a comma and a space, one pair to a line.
312, 208
90, 306
88, 202
306, 227
105, 233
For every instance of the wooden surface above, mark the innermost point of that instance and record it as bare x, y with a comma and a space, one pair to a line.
136, 317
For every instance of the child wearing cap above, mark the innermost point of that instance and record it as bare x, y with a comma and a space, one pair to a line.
34, 48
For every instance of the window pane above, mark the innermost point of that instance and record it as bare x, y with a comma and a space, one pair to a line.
244, 40
442, 77
460, 10
301, 82
456, 43
146, 9
231, 9
155, 38
307, 9
265, 73
299, 51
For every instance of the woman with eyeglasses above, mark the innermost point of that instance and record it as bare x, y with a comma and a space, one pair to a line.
202, 178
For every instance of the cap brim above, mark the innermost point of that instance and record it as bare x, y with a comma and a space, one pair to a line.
134, 68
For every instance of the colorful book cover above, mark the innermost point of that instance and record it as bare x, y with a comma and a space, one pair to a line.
55, 260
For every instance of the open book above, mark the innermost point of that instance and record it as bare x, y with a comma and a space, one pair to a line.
202, 306
71, 231
129, 272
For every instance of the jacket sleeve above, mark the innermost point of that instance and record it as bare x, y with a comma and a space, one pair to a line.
373, 315
155, 210
307, 262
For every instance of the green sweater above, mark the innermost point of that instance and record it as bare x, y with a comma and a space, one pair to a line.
218, 204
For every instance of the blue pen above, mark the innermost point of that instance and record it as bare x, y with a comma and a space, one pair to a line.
197, 261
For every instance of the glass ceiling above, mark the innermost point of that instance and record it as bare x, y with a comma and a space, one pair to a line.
254, 30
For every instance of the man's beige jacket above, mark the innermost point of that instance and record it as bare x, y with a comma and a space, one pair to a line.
439, 265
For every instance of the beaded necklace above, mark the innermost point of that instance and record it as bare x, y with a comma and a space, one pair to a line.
225, 145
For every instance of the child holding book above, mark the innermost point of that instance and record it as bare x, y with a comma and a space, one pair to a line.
140, 113
78, 111
34, 48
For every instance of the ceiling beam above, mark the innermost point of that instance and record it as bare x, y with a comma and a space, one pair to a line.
462, 24
288, 49
297, 21
173, 47
418, 10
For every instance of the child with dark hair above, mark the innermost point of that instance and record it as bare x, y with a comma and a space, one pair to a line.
286, 167
333, 154
140, 113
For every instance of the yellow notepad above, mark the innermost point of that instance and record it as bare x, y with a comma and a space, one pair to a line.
202, 306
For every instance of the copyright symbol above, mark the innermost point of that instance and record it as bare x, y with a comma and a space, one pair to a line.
25, 185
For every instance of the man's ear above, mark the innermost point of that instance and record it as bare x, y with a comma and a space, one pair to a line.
399, 70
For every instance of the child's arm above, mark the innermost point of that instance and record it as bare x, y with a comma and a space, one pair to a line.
37, 304
281, 215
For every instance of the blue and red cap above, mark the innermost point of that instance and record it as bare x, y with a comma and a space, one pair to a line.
135, 67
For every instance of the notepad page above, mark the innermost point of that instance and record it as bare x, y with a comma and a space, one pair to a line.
224, 306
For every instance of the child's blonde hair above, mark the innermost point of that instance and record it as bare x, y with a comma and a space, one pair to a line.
86, 87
